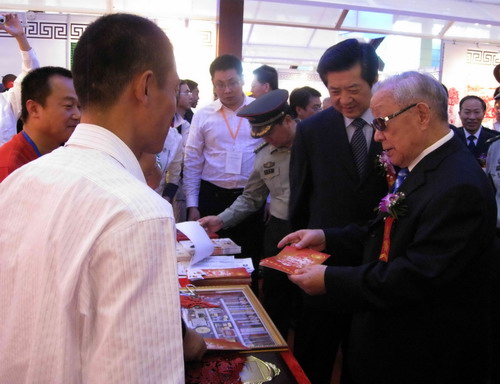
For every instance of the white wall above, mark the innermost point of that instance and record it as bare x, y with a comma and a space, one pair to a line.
50, 35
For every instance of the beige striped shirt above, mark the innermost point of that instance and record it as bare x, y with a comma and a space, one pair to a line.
88, 285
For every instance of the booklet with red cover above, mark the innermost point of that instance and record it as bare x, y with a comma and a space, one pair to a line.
290, 259
219, 276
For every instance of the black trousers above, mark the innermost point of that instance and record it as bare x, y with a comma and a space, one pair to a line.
249, 234
318, 337
495, 313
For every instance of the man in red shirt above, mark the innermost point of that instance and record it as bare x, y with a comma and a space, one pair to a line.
50, 112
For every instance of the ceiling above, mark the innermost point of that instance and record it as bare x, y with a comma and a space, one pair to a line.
301, 30
297, 32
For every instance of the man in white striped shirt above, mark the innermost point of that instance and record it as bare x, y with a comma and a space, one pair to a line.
88, 283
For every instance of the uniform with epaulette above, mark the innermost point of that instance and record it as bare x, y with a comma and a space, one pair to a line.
269, 177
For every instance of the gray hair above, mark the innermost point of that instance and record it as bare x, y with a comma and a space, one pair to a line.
415, 87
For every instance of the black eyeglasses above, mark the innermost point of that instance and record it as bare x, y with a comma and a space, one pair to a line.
380, 122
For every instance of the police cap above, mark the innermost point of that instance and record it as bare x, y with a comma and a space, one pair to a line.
263, 112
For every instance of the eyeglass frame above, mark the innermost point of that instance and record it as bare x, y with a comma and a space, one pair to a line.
380, 123
232, 84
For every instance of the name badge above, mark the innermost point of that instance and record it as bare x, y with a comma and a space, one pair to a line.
234, 160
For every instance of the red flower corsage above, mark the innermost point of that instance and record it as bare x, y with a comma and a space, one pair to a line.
391, 205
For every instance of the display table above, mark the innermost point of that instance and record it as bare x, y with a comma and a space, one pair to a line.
237, 330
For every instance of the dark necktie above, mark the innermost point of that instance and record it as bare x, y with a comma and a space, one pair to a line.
403, 172
471, 145
359, 147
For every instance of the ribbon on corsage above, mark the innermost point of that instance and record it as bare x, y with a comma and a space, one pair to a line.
391, 206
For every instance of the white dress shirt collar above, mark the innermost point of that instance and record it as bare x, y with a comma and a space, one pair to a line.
431, 148
95, 137
367, 116
246, 100
475, 134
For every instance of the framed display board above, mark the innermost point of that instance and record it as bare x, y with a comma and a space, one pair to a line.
229, 317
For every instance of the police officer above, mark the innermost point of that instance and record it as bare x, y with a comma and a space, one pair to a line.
270, 119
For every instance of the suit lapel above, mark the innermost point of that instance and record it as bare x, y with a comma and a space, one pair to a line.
416, 178
342, 145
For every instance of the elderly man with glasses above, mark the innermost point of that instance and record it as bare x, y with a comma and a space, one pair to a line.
420, 297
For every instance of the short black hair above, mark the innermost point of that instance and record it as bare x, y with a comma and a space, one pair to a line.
267, 74
224, 63
191, 84
496, 93
345, 55
473, 97
36, 86
300, 98
112, 50
7, 78
445, 89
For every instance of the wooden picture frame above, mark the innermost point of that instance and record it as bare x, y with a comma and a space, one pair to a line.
234, 319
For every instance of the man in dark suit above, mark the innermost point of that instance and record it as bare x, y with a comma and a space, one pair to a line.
472, 133
331, 184
420, 314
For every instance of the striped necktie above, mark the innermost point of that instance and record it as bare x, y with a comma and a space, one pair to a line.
472, 144
359, 147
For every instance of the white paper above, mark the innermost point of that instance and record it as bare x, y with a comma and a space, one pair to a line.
226, 261
244, 263
203, 246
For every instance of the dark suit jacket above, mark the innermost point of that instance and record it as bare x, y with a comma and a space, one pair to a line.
422, 317
325, 189
481, 146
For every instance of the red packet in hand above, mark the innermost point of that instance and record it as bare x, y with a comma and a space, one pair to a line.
290, 259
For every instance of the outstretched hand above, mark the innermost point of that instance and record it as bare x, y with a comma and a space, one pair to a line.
305, 238
211, 224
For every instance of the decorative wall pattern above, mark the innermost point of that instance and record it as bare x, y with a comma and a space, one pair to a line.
51, 30
47, 30
76, 30
478, 56
73, 31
